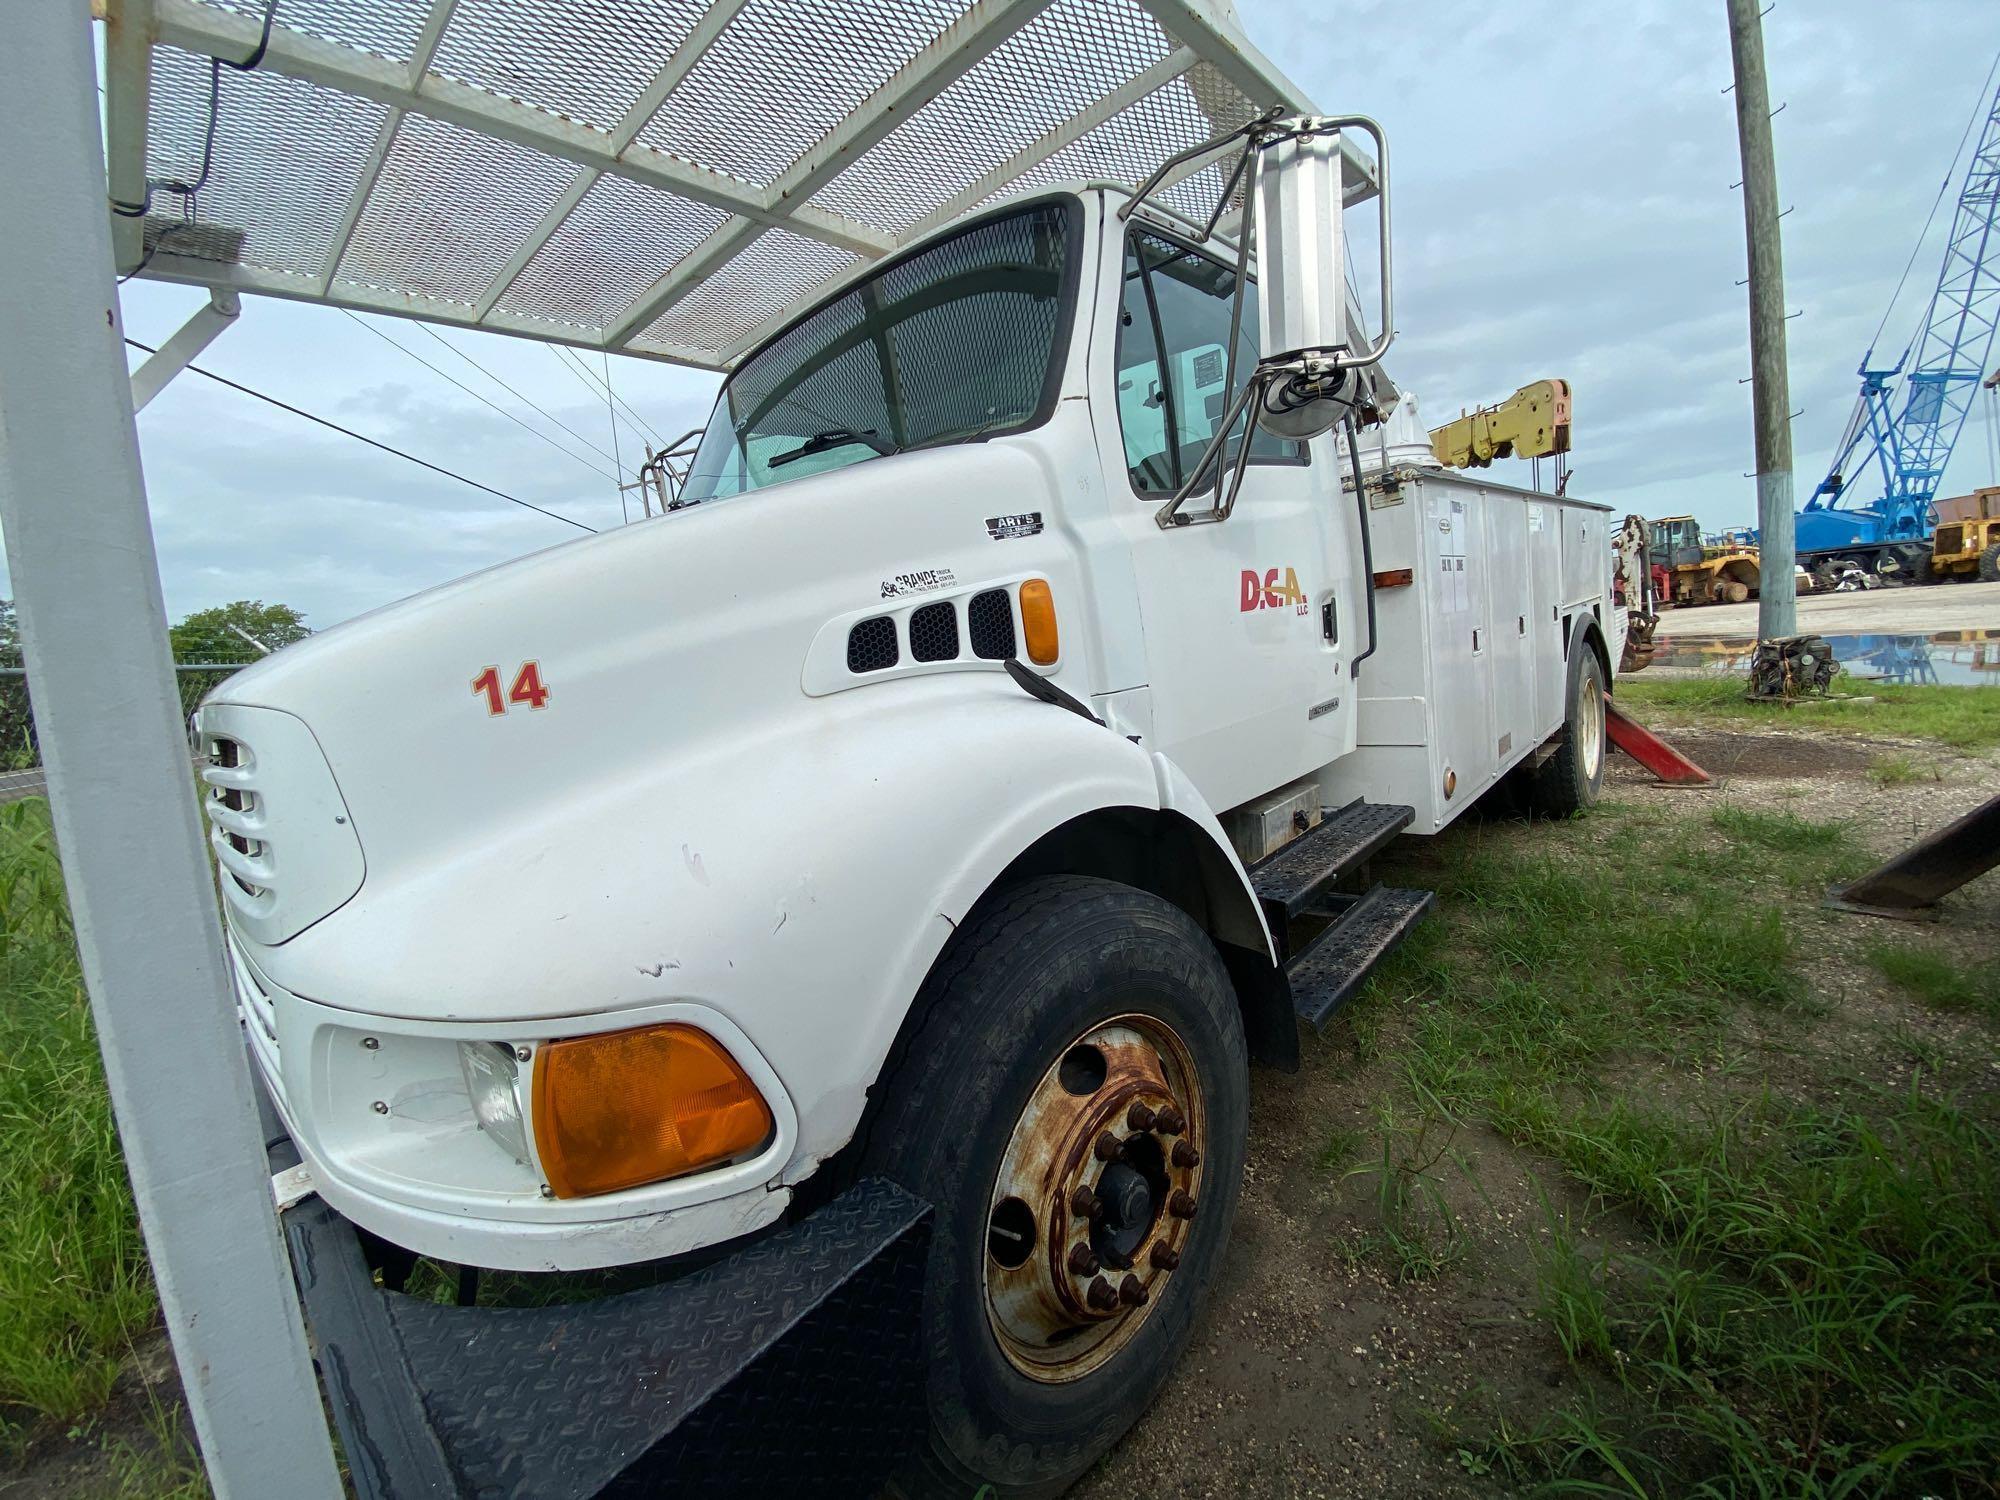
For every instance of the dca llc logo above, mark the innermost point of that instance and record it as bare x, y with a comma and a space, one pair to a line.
1274, 588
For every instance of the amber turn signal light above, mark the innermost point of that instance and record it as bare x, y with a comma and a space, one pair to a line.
1038, 622
632, 1107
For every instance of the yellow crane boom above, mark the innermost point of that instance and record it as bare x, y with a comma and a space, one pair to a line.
1531, 423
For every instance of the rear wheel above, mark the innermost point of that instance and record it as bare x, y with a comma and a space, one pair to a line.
1074, 1101
1989, 564
1570, 779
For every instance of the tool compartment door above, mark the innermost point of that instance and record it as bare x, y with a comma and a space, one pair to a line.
1461, 641
1511, 614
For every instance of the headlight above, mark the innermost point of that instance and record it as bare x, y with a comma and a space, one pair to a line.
493, 1081
632, 1107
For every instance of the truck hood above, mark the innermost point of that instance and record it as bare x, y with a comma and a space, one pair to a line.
663, 641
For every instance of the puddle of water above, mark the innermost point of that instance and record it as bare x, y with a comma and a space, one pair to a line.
1951, 658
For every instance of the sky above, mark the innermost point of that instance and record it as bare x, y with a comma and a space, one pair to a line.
1563, 199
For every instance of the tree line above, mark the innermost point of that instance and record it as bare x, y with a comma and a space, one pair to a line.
221, 639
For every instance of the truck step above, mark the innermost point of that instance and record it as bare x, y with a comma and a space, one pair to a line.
1287, 882
1332, 967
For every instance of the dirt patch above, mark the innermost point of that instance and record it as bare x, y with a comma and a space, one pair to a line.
137, 1448
1722, 753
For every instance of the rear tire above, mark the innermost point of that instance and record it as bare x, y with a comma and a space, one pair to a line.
1989, 564
1022, 989
1569, 780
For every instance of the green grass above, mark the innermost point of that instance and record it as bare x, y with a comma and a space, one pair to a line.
1936, 980
1816, 1312
1964, 718
73, 1274
1817, 1318
1901, 770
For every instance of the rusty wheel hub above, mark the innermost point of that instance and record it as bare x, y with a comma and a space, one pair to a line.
1094, 1200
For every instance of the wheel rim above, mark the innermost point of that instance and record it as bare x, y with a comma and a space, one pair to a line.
1094, 1201
1590, 724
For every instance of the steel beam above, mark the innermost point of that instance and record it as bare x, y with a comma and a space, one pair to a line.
209, 273
128, 65
691, 51
947, 58
213, 32
1063, 136
1912, 884
193, 336
93, 625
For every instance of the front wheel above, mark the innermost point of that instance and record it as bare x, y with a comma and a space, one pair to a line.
1989, 564
1570, 779
1073, 1098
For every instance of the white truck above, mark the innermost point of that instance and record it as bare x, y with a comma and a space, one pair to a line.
968, 778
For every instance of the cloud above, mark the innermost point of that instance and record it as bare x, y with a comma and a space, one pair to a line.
1564, 207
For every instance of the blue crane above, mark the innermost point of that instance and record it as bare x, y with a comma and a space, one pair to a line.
1910, 446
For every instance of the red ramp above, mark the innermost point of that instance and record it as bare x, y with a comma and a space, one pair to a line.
1647, 748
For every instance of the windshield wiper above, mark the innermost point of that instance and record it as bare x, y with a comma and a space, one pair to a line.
834, 437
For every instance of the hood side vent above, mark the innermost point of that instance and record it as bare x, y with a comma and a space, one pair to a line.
990, 621
934, 632
871, 645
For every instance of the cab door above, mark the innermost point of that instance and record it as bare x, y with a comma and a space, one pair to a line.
1249, 623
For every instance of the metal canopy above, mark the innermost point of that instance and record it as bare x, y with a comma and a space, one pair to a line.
664, 178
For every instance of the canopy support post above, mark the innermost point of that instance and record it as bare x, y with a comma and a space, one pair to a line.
93, 623
178, 352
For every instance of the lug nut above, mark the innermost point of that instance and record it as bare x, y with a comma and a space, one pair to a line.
1132, 1291
1109, 1147
1181, 1205
1085, 1204
1185, 1155
1101, 1296
1166, 1258
1140, 1116
1169, 1120
1081, 1261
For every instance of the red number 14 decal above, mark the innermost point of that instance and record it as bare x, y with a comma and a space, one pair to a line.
527, 688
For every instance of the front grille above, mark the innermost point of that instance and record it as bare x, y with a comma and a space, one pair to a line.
1950, 538
871, 645
234, 796
989, 620
934, 633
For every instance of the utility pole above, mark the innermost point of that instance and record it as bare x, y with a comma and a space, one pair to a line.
1777, 602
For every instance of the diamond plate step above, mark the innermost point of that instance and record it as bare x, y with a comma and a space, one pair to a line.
1288, 881
1326, 974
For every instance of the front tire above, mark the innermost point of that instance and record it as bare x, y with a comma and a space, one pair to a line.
1569, 780
1989, 564
1067, 1010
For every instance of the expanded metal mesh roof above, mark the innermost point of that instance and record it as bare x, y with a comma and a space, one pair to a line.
656, 177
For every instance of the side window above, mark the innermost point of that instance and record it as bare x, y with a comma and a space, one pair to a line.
1173, 362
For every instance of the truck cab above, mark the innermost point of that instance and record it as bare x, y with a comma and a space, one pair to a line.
907, 801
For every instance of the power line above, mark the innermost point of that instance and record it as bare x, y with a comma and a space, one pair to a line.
516, 394
573, 362
611, 411
496, 406
372, 442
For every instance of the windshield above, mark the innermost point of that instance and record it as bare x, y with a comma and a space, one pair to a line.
961, 339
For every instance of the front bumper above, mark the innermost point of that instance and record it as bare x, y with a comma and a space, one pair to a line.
377, 1107
791, 1365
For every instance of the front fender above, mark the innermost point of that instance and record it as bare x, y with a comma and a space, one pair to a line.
801, 883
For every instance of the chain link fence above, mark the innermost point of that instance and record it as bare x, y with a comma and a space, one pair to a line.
19, 750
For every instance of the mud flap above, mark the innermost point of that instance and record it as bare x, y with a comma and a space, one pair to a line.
791, 1366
